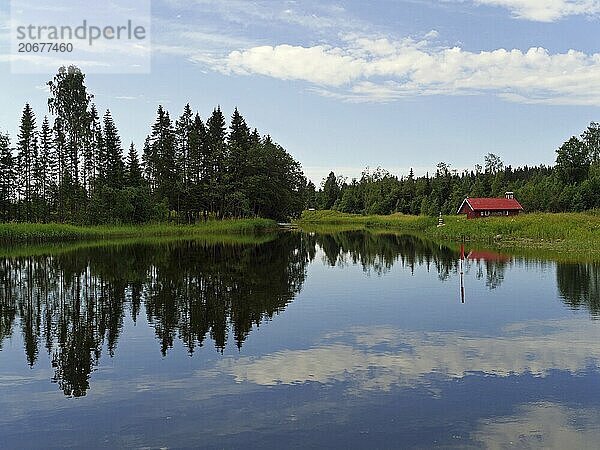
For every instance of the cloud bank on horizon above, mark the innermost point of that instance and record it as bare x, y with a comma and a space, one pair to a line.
378, 69
342, 56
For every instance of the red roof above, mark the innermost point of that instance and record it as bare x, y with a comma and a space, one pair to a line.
478, 204
487, 256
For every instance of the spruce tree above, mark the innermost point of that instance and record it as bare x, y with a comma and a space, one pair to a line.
113, 154
160, 157
59, 167
149, 164
331, 191
44, 169
134, 171
239, 134
310, 197
7, 179
27, 158
93, 151
215, 161
183, 130
196, 165
238, 146
197, 150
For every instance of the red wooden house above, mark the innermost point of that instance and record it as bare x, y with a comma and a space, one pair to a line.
486, 207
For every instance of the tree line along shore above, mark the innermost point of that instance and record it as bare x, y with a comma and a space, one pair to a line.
72, 168
571, 185
69, 178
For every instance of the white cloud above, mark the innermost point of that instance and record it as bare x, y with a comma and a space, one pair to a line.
545, 10
320, 64
313, 15
432, 34
350, 59
541, 425
378, 358
380, 69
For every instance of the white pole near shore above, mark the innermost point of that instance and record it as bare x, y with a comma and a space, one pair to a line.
462, 281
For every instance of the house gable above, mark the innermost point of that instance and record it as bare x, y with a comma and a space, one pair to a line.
465, 206
484, 207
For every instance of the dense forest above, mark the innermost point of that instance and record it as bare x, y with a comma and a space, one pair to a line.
74, 170
573, 184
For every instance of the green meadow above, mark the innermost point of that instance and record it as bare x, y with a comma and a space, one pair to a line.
551, 231
21, 249
55, 232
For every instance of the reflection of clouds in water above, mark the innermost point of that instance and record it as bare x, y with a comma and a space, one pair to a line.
542, 425
10, 381
380, 357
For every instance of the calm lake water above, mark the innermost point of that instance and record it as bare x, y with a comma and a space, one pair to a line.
346, 340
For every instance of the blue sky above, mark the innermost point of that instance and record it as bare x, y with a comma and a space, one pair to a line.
349, 84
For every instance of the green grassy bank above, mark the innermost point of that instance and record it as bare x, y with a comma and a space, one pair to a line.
54, 232
568, 231
21, 249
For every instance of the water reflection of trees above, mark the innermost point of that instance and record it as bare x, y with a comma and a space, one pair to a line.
579, 285
379, 252
492, 272
75, 303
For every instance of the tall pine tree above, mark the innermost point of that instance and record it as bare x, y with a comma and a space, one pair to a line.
159, 156
183, 131
43, 170
7, 179
27, 158
114, 167
196, 165
238, 143
215, 161
134, 171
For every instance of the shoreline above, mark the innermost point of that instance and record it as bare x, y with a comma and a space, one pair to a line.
566, 236
578, 232
19, 233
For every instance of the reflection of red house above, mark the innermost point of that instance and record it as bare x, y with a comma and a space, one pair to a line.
485, 207
483, 255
